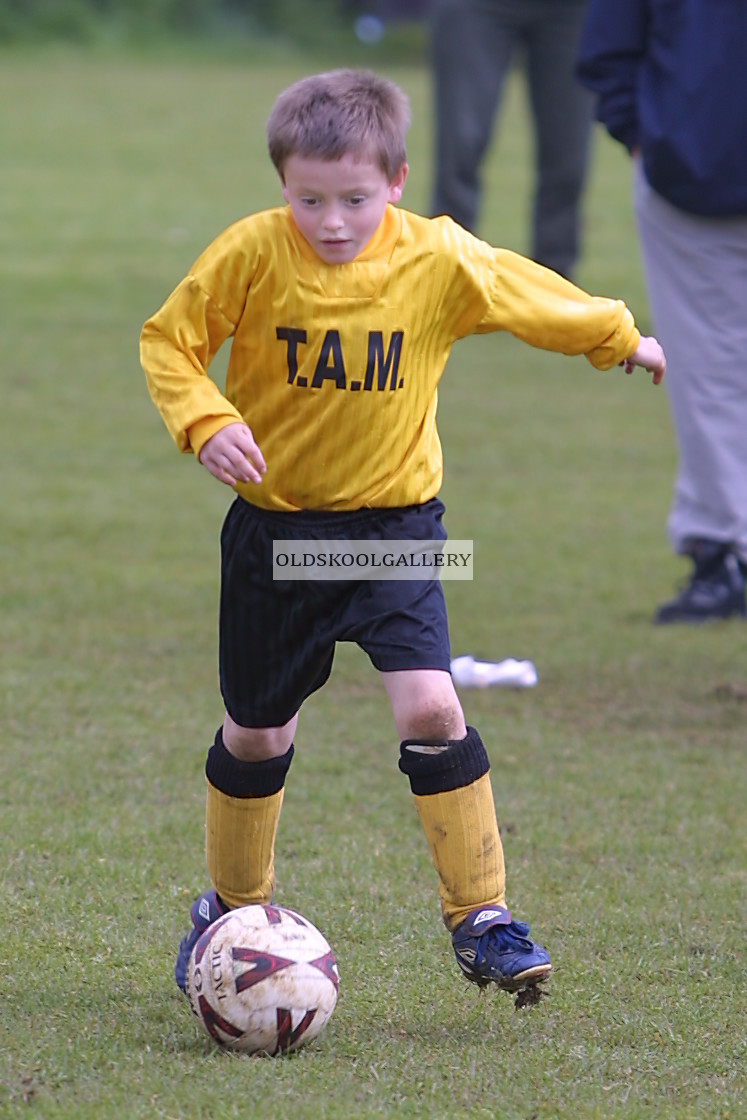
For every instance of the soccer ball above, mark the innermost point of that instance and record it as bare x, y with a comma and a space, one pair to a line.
262, 979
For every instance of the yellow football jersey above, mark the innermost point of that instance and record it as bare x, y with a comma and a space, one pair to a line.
335, 368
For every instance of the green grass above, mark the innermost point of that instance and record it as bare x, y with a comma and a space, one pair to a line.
620, 780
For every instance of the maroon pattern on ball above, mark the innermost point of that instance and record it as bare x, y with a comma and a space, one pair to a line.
215, 1022
263, 965
287, 1036
328, 965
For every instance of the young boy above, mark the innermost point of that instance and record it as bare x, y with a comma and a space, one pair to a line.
343, 310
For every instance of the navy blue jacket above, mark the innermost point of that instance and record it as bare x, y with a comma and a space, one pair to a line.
671, 80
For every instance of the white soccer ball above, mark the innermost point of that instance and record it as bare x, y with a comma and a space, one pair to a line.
262, 979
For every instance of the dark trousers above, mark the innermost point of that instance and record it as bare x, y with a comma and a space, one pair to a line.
473, 43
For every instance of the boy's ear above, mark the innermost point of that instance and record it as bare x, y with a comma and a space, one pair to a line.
284, 188
397, 185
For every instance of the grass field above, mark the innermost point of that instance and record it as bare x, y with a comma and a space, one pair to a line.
619, 780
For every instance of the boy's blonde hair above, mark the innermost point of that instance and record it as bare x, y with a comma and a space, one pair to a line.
338, 113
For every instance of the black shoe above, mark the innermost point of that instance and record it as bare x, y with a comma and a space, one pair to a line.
206, 909
715, 591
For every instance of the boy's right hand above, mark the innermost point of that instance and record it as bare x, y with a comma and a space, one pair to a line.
232, 456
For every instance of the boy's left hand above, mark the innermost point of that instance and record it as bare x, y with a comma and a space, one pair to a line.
650, 355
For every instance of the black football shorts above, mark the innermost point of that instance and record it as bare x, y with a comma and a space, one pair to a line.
277, 637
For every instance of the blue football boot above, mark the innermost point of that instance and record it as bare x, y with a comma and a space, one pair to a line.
491, 948
206, 909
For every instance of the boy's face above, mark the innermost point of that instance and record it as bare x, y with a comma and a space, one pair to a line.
338, 204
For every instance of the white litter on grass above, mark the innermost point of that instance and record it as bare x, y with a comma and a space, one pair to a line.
466, 672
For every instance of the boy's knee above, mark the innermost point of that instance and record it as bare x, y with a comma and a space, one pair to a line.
432, 715
439, 719
256, 744
425, 705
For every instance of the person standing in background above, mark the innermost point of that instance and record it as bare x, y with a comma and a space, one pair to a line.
473, 43
671, 85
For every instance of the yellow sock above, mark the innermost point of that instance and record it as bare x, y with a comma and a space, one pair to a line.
465, 844
240, 845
